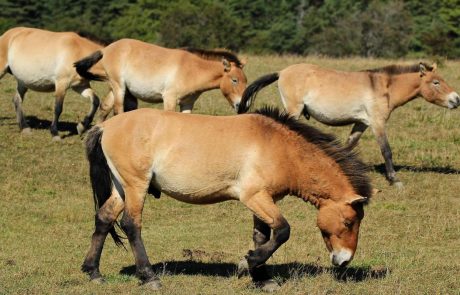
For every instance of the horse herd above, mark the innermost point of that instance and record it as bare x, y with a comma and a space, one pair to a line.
255, 158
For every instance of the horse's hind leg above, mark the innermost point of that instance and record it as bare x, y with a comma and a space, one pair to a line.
131, 223
104, 220
262, 205
17, 101
87, 92
356, 132
105, 107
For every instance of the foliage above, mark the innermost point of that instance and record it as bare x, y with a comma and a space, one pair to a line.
389, 28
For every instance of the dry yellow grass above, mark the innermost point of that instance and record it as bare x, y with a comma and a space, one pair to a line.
409, 243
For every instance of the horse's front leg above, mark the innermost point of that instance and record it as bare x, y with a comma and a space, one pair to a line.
169, 101
131, 223
61, 88
186, 104
263, 206
387, 156
260, 235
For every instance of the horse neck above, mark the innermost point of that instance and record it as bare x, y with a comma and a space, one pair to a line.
403, 88
317, 176
204, 74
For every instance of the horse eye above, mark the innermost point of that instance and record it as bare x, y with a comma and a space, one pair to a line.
234, 81
436, 83
348, 223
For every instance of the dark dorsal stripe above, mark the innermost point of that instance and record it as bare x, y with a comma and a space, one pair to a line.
348, 160
217, 54
399, 69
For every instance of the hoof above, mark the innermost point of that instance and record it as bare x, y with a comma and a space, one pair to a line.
56, 138
268, 286
26, 131
80, 129
153, 284
243, 268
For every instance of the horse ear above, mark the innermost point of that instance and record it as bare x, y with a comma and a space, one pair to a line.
357, 199
243, 61
226, 64
422, 69
434, 66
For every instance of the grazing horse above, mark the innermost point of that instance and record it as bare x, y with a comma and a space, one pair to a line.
139, 70
42, 61
364, 98
194, 159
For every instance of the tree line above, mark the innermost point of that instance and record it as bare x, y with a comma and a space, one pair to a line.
371, 28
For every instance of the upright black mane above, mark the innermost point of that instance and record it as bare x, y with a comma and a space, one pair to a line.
399, 69
216, 54
347, 158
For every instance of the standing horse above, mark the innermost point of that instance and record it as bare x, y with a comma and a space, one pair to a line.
364, 98
139, 70
42, 61
194, 159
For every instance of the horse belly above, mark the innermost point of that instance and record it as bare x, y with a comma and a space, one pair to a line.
194, 187
148, 91
336, 114
35, 75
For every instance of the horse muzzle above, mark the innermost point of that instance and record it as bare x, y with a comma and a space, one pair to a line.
453, 100
341, 258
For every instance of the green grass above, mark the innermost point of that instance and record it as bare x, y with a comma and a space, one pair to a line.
409, 242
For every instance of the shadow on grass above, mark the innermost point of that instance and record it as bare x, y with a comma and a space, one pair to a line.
283, 271
36, 123
441, 170
6, 118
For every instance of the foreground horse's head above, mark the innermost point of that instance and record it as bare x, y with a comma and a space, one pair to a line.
435, 90
339, 224
233, 82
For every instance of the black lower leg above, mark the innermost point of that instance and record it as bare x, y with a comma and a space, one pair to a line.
57, 113
91, 263
388, 157
143, 267
89, 118
261, 232
260, 255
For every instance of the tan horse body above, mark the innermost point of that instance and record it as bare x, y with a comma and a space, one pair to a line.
43, 61
139, 70
256, 159
364, 98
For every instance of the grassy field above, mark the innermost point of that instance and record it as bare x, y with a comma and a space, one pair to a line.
409, 242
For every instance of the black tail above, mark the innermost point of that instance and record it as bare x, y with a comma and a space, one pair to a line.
99, 172
83, 65
249, 95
